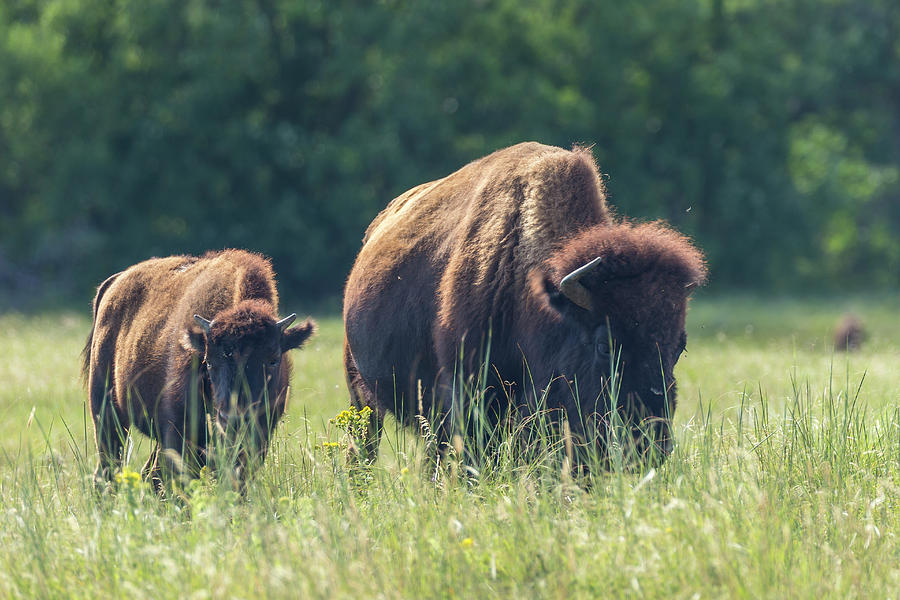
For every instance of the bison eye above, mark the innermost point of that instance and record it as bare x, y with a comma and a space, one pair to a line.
273, 362
602, 342
603, 348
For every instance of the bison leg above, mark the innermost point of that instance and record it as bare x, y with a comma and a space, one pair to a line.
110, 426
361, 396
373, 434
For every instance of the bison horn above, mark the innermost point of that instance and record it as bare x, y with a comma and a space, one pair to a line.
572, 288
203, 323
285, 322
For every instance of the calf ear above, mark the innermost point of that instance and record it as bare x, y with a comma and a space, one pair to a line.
295, 336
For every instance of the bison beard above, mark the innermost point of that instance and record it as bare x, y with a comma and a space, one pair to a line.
518, 249
183, 347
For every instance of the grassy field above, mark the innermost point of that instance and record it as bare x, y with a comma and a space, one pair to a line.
785, 482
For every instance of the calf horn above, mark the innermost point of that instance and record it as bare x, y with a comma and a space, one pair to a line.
574, 290
283, 324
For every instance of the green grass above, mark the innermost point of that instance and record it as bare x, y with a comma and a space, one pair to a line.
785, 482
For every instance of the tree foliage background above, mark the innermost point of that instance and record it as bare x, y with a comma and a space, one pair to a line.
767, 129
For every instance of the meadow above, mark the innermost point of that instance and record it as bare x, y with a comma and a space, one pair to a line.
784, 483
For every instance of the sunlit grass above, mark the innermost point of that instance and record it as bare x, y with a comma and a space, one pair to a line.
784, 482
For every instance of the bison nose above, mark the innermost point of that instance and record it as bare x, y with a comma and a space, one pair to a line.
666, 444
664, 440
661, 389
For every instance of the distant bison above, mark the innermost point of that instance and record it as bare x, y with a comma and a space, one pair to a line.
519, 245
177, 339
849, 333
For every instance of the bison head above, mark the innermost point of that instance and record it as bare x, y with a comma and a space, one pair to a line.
243, 349
613, 302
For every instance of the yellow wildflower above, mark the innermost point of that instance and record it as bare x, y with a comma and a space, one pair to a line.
128, 476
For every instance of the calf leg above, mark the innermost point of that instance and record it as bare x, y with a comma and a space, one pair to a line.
178, 459
169, 463
150, 471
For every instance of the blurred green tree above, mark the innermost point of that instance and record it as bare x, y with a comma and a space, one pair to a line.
767, 130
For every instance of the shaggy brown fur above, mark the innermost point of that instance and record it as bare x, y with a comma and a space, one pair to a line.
484, 250
849, 334
140, 357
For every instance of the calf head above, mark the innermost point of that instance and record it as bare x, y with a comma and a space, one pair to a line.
243, 349
614, 300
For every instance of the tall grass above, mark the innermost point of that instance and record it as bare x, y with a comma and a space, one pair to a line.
784, 482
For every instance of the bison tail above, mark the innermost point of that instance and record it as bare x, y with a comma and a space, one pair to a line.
86, 352
86, 356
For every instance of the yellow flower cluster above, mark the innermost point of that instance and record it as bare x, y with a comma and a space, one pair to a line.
128, 477
353, 421
331, 449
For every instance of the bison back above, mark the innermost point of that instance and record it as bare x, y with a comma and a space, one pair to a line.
450, 258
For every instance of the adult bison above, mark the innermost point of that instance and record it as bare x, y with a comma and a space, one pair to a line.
520, 245
176, 339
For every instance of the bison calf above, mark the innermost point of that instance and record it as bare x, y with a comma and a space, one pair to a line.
184, 347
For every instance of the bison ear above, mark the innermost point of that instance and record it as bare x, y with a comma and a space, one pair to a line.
194, 340
295, 336
573, 288
196, 336
550, 299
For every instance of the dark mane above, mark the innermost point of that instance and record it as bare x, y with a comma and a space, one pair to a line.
630, 249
